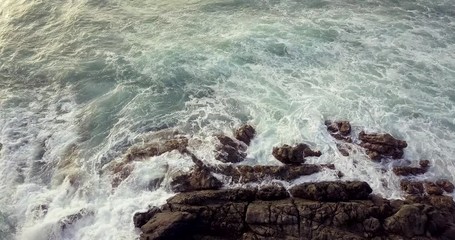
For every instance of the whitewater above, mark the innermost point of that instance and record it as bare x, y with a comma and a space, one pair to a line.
81, 81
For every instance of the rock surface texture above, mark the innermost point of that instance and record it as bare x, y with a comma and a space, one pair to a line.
323, 210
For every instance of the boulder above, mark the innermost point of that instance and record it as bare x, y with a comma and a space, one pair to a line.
412, 187
200, 178
294, 155
409, 221
382, 139
245, 134
446, 185
168, 225
433, 189
178, 143
141, 218
332, 191
230, 150
380, 145
408, 171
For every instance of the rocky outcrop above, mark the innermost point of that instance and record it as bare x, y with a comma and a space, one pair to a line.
294, 155
245, 134
200, 178
339, 130
380, 145
408, 171
178, 143
426, 187
271, 213
230, 150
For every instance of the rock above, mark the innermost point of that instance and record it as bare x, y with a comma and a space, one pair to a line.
344, 149
446, 185
245, 173
411, 187
245, 134
332, 191
272, 192
157, 148
408, 171
340, 130
424, 164
199, 178
73, 218
409, 221
433, 189
141, 218
230, 150
294, 155
372, 225
208, 197
382, 139
168, 225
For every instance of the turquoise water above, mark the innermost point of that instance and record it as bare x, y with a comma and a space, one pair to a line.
83, 80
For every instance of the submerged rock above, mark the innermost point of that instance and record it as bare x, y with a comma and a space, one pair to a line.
340, 130
245, 134
294, 155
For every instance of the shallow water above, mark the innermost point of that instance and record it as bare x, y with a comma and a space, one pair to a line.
83, 80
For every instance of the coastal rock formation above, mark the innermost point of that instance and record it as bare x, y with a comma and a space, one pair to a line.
380, 145
426, 187
199, 178
230, 150
339, 130
270, 213
245, 134
179, 143
408, 171
294, 155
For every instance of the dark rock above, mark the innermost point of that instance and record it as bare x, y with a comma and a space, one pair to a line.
157, 148
344, 149
73, 218
208, 197
433, 189
230, 150
411, 187
245, 173
272, 192
245, 134
372, 225
342, 127
382, 139
294, 155
446, 185
199, 178
141, 218
168, 225
332, 191
424, 163
408, 171
409, 221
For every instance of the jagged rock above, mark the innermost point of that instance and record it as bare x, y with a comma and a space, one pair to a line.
243, 214
245, 173
245, 134
230, 150
157, 148
340, 130
409, 221
141, 218
446, 185
332, 191
71, 219
412, 187
294, 155
272, 192
408, 171
433, 189
379, 145
199, 178
168, 225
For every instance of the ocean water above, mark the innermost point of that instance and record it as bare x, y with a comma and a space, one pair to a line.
81, 81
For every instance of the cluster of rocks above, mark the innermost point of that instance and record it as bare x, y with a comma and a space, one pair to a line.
323, 210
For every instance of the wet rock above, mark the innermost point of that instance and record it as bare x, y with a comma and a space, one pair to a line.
208, 197
245, 134
272, 192
424, 164
199, 178
372, 225
246, 173
412, 187
446, 185
168, 225
408, 171
157, 148
294, 155
141, 218
409, 221
341, 127
69, 220
433, 189
332, 191
379, 145
230, 150
344, 149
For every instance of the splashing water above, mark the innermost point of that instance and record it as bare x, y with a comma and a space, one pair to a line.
83, 80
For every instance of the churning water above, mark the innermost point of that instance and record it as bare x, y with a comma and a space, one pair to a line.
83, 80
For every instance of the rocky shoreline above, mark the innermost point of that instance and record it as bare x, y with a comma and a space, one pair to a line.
205, 209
